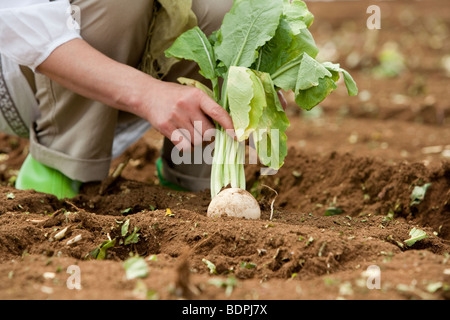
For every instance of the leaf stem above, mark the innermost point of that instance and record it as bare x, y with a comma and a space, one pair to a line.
286, 67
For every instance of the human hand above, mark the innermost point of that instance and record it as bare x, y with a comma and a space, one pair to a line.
185, 114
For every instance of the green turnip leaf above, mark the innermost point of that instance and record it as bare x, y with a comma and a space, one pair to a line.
300, 74
194, 45
245, 29
291, 39
286, 76
335, 69
275, 53
308, 99
297, 14
247, 100
309, 73
270, 137
196, 84
350, 83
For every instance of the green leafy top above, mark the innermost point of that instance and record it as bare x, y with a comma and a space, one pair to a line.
194, 45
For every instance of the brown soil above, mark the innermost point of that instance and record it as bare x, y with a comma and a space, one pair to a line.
361, 156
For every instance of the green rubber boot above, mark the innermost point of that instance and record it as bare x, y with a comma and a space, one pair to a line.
33, 175
164, 182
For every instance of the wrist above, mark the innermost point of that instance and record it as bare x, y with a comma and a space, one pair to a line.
136, 93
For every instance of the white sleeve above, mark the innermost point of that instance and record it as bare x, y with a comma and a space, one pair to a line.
31, 30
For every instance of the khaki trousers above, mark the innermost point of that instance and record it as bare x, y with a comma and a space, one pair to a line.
74, 134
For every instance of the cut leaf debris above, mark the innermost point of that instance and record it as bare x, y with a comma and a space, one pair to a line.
416, 235
10, 196
74, 240
169, 213
133, 237
100, 252
211, 266
60, 235
228, 284
125, 226
109, 181
418, 194
333, 211
248, 265
135, 267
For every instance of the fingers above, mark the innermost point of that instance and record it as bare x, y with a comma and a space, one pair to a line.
217, 113
204, 129
191, 120
193, 132
181, 139
283, 100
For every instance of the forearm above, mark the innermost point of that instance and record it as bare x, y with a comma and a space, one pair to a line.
166, 106
81, 68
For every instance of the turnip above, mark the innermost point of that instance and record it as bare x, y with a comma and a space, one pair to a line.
262, 46
234, 202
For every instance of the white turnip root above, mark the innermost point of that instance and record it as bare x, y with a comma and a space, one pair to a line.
234, 202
